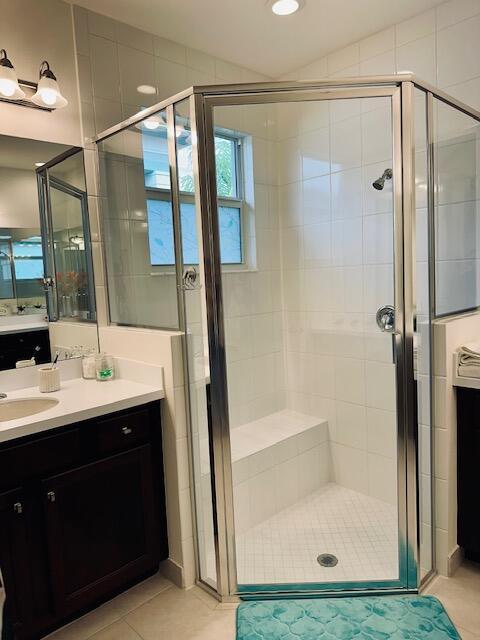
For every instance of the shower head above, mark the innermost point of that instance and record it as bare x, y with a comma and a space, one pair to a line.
380, 182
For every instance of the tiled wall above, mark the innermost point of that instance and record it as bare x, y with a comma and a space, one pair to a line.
441, 46
253, 297
106, 51
337, 235
114, 59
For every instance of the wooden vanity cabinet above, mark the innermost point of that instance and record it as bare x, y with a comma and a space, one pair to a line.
82, 516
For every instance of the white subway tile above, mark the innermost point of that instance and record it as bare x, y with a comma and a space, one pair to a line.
449, 13
377, 44
415, 28
419, 58
382, 478
458, 50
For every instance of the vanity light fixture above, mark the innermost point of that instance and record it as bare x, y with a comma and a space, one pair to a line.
45, 95
9, 87
48, 92
39, 164
286, 7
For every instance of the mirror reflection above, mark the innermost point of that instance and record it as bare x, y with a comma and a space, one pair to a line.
47, 299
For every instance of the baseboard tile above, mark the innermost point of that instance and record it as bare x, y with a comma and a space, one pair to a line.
173, 571
455, 559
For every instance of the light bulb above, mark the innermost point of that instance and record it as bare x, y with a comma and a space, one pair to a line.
48, 96
9, 87
48, 92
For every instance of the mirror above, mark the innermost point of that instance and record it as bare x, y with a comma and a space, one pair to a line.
47, 299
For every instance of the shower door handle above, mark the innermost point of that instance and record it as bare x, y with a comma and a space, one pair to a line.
386, 319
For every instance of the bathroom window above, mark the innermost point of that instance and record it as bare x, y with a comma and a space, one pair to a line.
28, 257
159, 212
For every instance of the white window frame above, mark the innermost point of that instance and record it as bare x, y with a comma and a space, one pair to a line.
238, 202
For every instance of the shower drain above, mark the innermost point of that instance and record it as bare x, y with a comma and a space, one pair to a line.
327, 560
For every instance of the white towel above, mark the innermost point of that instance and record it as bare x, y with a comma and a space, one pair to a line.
470, 354
469, 371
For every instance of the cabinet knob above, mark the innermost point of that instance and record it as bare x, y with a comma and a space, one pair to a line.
126, 431
51, 497
18, 507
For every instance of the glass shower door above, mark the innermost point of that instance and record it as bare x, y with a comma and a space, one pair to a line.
307, 239
66, 240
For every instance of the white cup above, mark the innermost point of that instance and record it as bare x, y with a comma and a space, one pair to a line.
48, 379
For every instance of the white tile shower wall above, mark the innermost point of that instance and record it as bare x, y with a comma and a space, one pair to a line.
114, 59
336, 233
252, 296
440, 45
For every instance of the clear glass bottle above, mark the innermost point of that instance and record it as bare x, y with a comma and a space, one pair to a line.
104, 366
89, 371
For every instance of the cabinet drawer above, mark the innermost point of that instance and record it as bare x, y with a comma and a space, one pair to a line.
123, 431
39, 457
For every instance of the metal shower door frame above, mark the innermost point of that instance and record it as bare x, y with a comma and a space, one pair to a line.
401, 94
402, 87
45, 182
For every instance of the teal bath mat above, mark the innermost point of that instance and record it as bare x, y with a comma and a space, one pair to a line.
372, 618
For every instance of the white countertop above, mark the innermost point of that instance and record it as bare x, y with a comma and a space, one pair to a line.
79, 400
21, 323
22, 328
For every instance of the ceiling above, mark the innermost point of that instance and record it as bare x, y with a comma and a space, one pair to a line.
22, 153
247, 33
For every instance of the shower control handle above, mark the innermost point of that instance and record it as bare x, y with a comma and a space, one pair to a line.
386, 319
190, 279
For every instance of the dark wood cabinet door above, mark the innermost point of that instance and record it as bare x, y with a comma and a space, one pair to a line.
15, 558
102, 528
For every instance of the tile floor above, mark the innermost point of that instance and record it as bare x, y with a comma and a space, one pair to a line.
361, 531
157, 610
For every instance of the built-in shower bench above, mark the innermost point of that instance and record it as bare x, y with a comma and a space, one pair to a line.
277, 460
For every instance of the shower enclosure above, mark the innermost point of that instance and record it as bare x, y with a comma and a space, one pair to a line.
295, 233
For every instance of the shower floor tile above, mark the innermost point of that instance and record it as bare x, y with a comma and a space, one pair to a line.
359, 530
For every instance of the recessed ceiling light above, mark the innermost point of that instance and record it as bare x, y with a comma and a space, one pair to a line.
39, 164
285, 7
146, 89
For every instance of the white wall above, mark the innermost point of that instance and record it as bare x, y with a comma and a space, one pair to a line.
337, 235
441, 46
18, 199
32, 32
114, 59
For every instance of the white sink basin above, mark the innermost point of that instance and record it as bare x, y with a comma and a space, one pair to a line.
22, 407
